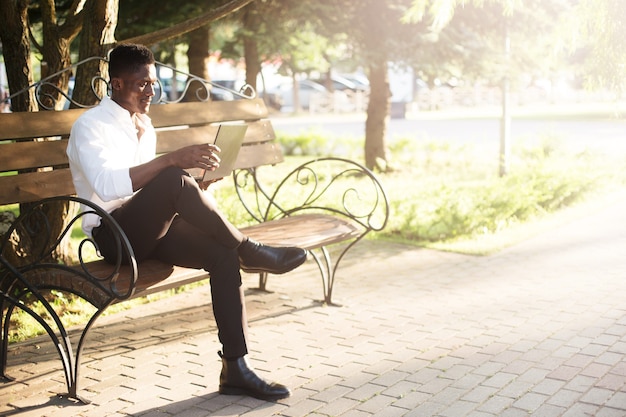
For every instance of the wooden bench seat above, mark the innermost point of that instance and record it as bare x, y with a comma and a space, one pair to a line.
339, 202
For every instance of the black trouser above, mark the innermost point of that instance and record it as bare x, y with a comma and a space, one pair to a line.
172, 220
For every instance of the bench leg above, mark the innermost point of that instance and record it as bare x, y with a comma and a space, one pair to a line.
263, 281
328, 270
60, 338
5, 316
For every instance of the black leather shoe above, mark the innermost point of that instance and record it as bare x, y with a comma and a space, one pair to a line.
237, 378
257, 257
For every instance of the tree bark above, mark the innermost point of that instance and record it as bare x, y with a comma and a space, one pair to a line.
198, 57
375, 41
56, 52
377, 116
16, 51
250, 48
98, 36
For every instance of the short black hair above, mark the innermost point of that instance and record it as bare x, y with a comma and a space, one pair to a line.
128, 58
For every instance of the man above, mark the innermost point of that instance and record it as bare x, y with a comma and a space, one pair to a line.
164, 212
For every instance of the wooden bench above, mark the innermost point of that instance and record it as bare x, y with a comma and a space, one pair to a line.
322, 202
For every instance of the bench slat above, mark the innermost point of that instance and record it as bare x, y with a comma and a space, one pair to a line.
171, 139
308, 231
257, 155
58, 123
37, 124
154, 276
33, 186
25, 155
199, 113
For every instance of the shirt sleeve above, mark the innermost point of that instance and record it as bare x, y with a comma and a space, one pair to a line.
101, 162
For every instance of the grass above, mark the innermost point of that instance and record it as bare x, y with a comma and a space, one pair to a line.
443, 196
459, 198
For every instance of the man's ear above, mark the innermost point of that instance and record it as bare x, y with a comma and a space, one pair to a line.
116, 84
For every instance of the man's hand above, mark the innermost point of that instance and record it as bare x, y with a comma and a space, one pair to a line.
204, 185
203, 156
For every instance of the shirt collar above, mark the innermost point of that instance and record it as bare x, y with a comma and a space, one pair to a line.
120, 113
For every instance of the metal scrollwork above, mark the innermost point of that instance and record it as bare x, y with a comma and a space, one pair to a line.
333, 185
48, 93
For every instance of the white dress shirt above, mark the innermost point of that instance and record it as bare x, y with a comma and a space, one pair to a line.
103, 146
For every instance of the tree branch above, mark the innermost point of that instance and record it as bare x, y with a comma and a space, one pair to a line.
188, 25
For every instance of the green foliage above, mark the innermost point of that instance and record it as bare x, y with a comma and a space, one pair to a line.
73, 311
460, 199
601, 28
315, 143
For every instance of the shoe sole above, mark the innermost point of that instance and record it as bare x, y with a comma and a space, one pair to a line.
227, 390
275, 272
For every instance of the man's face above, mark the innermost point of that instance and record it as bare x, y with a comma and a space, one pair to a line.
134, 91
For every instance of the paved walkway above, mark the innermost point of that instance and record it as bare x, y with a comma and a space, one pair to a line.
538, 329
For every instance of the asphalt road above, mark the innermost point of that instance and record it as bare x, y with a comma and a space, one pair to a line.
603, 133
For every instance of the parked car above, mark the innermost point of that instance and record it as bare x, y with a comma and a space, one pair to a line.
356, 91
230, 86
217, 93
282, 96
341, 83
360, 80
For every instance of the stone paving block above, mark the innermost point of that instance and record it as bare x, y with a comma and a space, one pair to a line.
530, 401
581, 409
496, 404
351, 413
609, 412
475, 413
580, 383
435, 386
375, 403
597, 396
479, 394
514, 412
303, 408
338, 407
425, 408
458, 408
399, 389
618, 400
363, 392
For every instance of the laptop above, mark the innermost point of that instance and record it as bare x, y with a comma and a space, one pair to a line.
229, 138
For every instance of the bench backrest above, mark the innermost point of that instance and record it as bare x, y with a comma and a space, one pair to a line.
33, 163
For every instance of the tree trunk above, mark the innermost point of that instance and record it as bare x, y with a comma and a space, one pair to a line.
198, 57
297, 107
56, 56
377, 117
55, 52
250, 49
98, 36
16, 51
375, 41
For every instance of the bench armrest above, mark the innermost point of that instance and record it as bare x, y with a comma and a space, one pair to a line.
31, 246
336, 186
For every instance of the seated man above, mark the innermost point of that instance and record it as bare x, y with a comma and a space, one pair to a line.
164, 212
